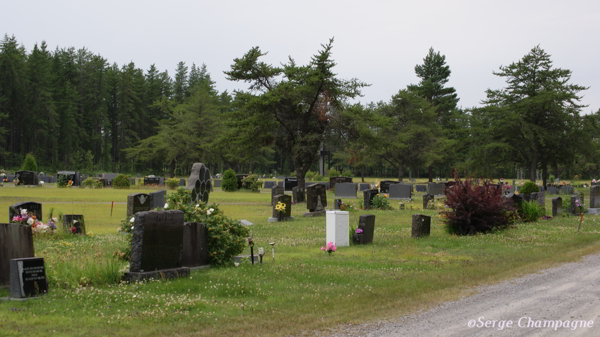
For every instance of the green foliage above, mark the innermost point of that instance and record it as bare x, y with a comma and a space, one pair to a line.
172, 183
551, 178
310, 175
121, 181
89, 182
380, 202
333, 173
62, 181
531, 211
229, 183
252, 183
226, 237
29, 164
347, 173
528, 188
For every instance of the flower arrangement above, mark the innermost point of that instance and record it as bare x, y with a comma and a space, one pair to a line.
280, 207
330, 248
37, 226
70, 183
345, 207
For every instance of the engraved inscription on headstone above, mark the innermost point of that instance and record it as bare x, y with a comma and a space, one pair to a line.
35, 208
140, 202
27, 277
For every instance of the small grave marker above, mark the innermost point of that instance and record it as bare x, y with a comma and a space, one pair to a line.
27, 277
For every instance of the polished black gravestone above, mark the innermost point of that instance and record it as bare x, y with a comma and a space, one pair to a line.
400, 192
16, 241
151, 181
182, 182
139, 202
200, 183
421, 188
276, 191
74, 220
297, 194
366, 223
27, 277
338, 180
368, 196
363, 186
27, 177
556, 206
421, 225
157, 246
436, 188
316, 195
287, 200
31, 206
158, 199
290, 183
384, 185
195, 244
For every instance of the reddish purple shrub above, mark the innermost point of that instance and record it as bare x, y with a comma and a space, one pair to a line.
477, 209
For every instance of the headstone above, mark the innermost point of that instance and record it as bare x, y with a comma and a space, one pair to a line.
316, 197
336, 180
517, 200
573, 209
345, 190
421, 188
541, 199
240, 178
594, 200
384, 186
217, 182
27, 277
552, 190
157, 246
280, 183
70, 175
400, 192
181, 182
336, 228
195, 244
158, 199
276, 191
199, 182
290, 183
297, 194
287, 200
161, 181
366, 223
139, 202
556, 206
31, 206
368, 196
436, 188
74, 220
337, 203
363, 186
566, 189
426, 199
16, 241
421, 225
270, 184
151, 180
27, 177
108, 178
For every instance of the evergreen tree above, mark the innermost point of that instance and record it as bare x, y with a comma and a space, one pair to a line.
180, 86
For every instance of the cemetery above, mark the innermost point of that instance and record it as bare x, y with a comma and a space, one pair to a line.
171, 256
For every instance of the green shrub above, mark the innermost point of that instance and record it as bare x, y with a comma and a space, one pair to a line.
531, 211
121, 181
252, 183
551, 178
333, 173
29, 164
347, 173
172, 183
310, 175
62, 181
98, 184
227, 237
229, 183
528, 188
89, 182
380, 202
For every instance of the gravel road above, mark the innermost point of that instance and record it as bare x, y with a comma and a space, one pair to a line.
532, 305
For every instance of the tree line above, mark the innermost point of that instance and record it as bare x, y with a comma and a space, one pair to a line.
72, 109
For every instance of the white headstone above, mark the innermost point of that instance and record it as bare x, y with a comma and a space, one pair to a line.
336, 228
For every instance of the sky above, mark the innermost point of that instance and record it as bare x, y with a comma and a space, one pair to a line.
378, 42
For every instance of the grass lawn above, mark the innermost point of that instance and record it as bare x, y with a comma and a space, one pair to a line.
303, 290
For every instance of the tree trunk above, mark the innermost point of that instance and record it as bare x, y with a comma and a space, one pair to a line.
544, 176
400, 172
532, 169
300, 173
430, 173
362, 174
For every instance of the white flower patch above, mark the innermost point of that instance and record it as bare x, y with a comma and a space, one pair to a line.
166, 205
209, 211
132, 220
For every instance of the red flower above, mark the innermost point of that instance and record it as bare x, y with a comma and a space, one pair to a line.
73, 229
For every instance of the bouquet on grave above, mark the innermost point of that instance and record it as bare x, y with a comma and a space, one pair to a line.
330, 248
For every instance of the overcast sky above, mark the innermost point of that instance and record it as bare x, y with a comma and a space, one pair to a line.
378, 42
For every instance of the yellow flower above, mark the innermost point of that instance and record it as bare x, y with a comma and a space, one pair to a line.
280, 206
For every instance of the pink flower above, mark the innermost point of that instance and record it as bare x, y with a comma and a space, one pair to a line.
323, 248
358, 231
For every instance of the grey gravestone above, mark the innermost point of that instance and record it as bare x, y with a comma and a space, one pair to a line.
158, 199
108, 178
27, 177
541, 199
566, 189
384, 186
337, 203
426, 199
181, 182
240, 178
297, 194
157, 246
345, 190
16, 241
74, 220
280, 183
287, 200
199, 182
337, 180
421, 225
71, 175
151, 181
269, 184
595, 196
400, 191
366, 222
31, 206
362, 186
552, 190
246, 223
217, 182
161, 181
556, 206
195, 244
276, 191
139, 202
436, 188
316, 197
27, 277
290, 183
421, 188
368, 196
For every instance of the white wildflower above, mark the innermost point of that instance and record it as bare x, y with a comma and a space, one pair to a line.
166, 205
30, 221
23, 211
132, 220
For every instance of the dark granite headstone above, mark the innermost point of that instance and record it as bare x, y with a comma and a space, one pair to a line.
436, 188
31, 206
345, 190
139, 202
384, 186
552, 190
315, 194
297, 194
290, 183
517, 200
337, 180
16, 241
151, 181
275, 191
595, 196
287, 200
421, 188
158, 199
337, 203
27, 277
566, 189
181, 182
533, 196
27, 177
421, 225
556, 206
269, 184
195, 244
541, 199
363, 186
74, 220
400, 191
366, 222
368, 196
200, 183
217, 182
240, 178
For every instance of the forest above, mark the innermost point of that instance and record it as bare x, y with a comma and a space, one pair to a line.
74, 110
